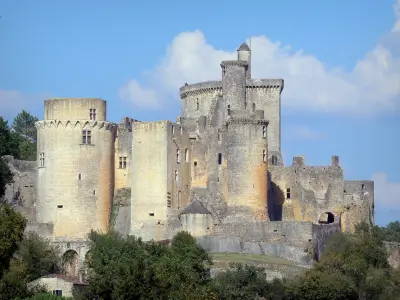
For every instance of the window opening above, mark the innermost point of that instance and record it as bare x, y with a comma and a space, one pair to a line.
178, 156
229, 110
219, 158
86, 137
197, 104
176, 175
41, 159
219, 135
264, 132
92, 113
187, 155
288, 193
264, 155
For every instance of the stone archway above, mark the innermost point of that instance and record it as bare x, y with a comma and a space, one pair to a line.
70, 261
326, 218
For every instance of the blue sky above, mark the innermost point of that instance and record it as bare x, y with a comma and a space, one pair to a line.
340, 61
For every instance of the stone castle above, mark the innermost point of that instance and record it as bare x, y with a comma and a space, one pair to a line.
217, 172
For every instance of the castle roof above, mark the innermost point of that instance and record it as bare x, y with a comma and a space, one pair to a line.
244, 47
196, 207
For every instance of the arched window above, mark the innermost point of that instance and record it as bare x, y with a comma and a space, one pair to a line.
176, 175
264, 132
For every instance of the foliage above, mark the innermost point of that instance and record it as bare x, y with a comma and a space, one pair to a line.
46, 296
391, 232
246, 282
24, 125
6, 177
12, 226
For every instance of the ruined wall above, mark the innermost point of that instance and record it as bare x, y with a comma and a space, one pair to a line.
197, 224
121, 211
393, 250
123, 154
358, 204
75, 177
321, 235
303, 192
21, 193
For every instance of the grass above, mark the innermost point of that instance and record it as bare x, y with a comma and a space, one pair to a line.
224, 258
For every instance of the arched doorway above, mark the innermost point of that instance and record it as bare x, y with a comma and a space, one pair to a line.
326, 218
70, 263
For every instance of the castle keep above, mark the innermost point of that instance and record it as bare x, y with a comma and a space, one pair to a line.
216, 172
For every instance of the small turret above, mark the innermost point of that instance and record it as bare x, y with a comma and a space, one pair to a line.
244, 54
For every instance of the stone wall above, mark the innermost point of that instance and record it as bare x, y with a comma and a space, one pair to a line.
393, 250
321, 235
121, 211
22, 192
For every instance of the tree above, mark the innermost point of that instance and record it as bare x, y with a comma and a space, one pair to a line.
46, 296
6, 177
12, 226
24, 124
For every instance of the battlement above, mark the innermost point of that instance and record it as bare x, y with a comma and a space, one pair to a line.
265, 83
234, 63
249, 121
40, 125
200, 88
299, 160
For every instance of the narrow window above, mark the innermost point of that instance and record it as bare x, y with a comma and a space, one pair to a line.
178, 156
362, 186
219, 158
181, 129
41, 159
287, 193
179, 199
79, 176
176, 175
86, 137
94, 192
245, 104
120, 162
274, 159
124, 162
197, 104
92, 113
254, 107
219, 135
173, 129
264, 132
229, 110
195, 164
264, 155
187, 155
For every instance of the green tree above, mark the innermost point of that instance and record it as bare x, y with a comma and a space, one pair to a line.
24, 124
246, 282
46, 296
6, 177
12, 226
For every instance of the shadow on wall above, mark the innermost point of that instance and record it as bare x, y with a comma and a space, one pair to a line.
326, 218
276, 200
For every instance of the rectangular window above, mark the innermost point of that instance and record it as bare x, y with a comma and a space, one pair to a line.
86, 137
92, 113
178, 156
274, 159
79, 176
197, 104
219, 158
219, 135
122, 162
287, 193
57, 293
173, 129
264, 155
176, 175
264, 132
229, 110
41, 159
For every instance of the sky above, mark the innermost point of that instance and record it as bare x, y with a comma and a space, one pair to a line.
340, 61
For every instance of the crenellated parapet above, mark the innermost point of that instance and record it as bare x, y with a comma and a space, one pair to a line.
200, 88
100, 125
234, 63
275, 84
247, 121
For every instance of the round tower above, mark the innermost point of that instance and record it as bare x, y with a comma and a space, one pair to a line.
234, 83
244, 54
247, 163
75, 147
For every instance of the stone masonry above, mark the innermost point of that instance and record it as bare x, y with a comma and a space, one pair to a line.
216, 172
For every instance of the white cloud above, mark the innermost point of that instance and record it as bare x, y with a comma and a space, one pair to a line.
371, 87
387, 193
303, 133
